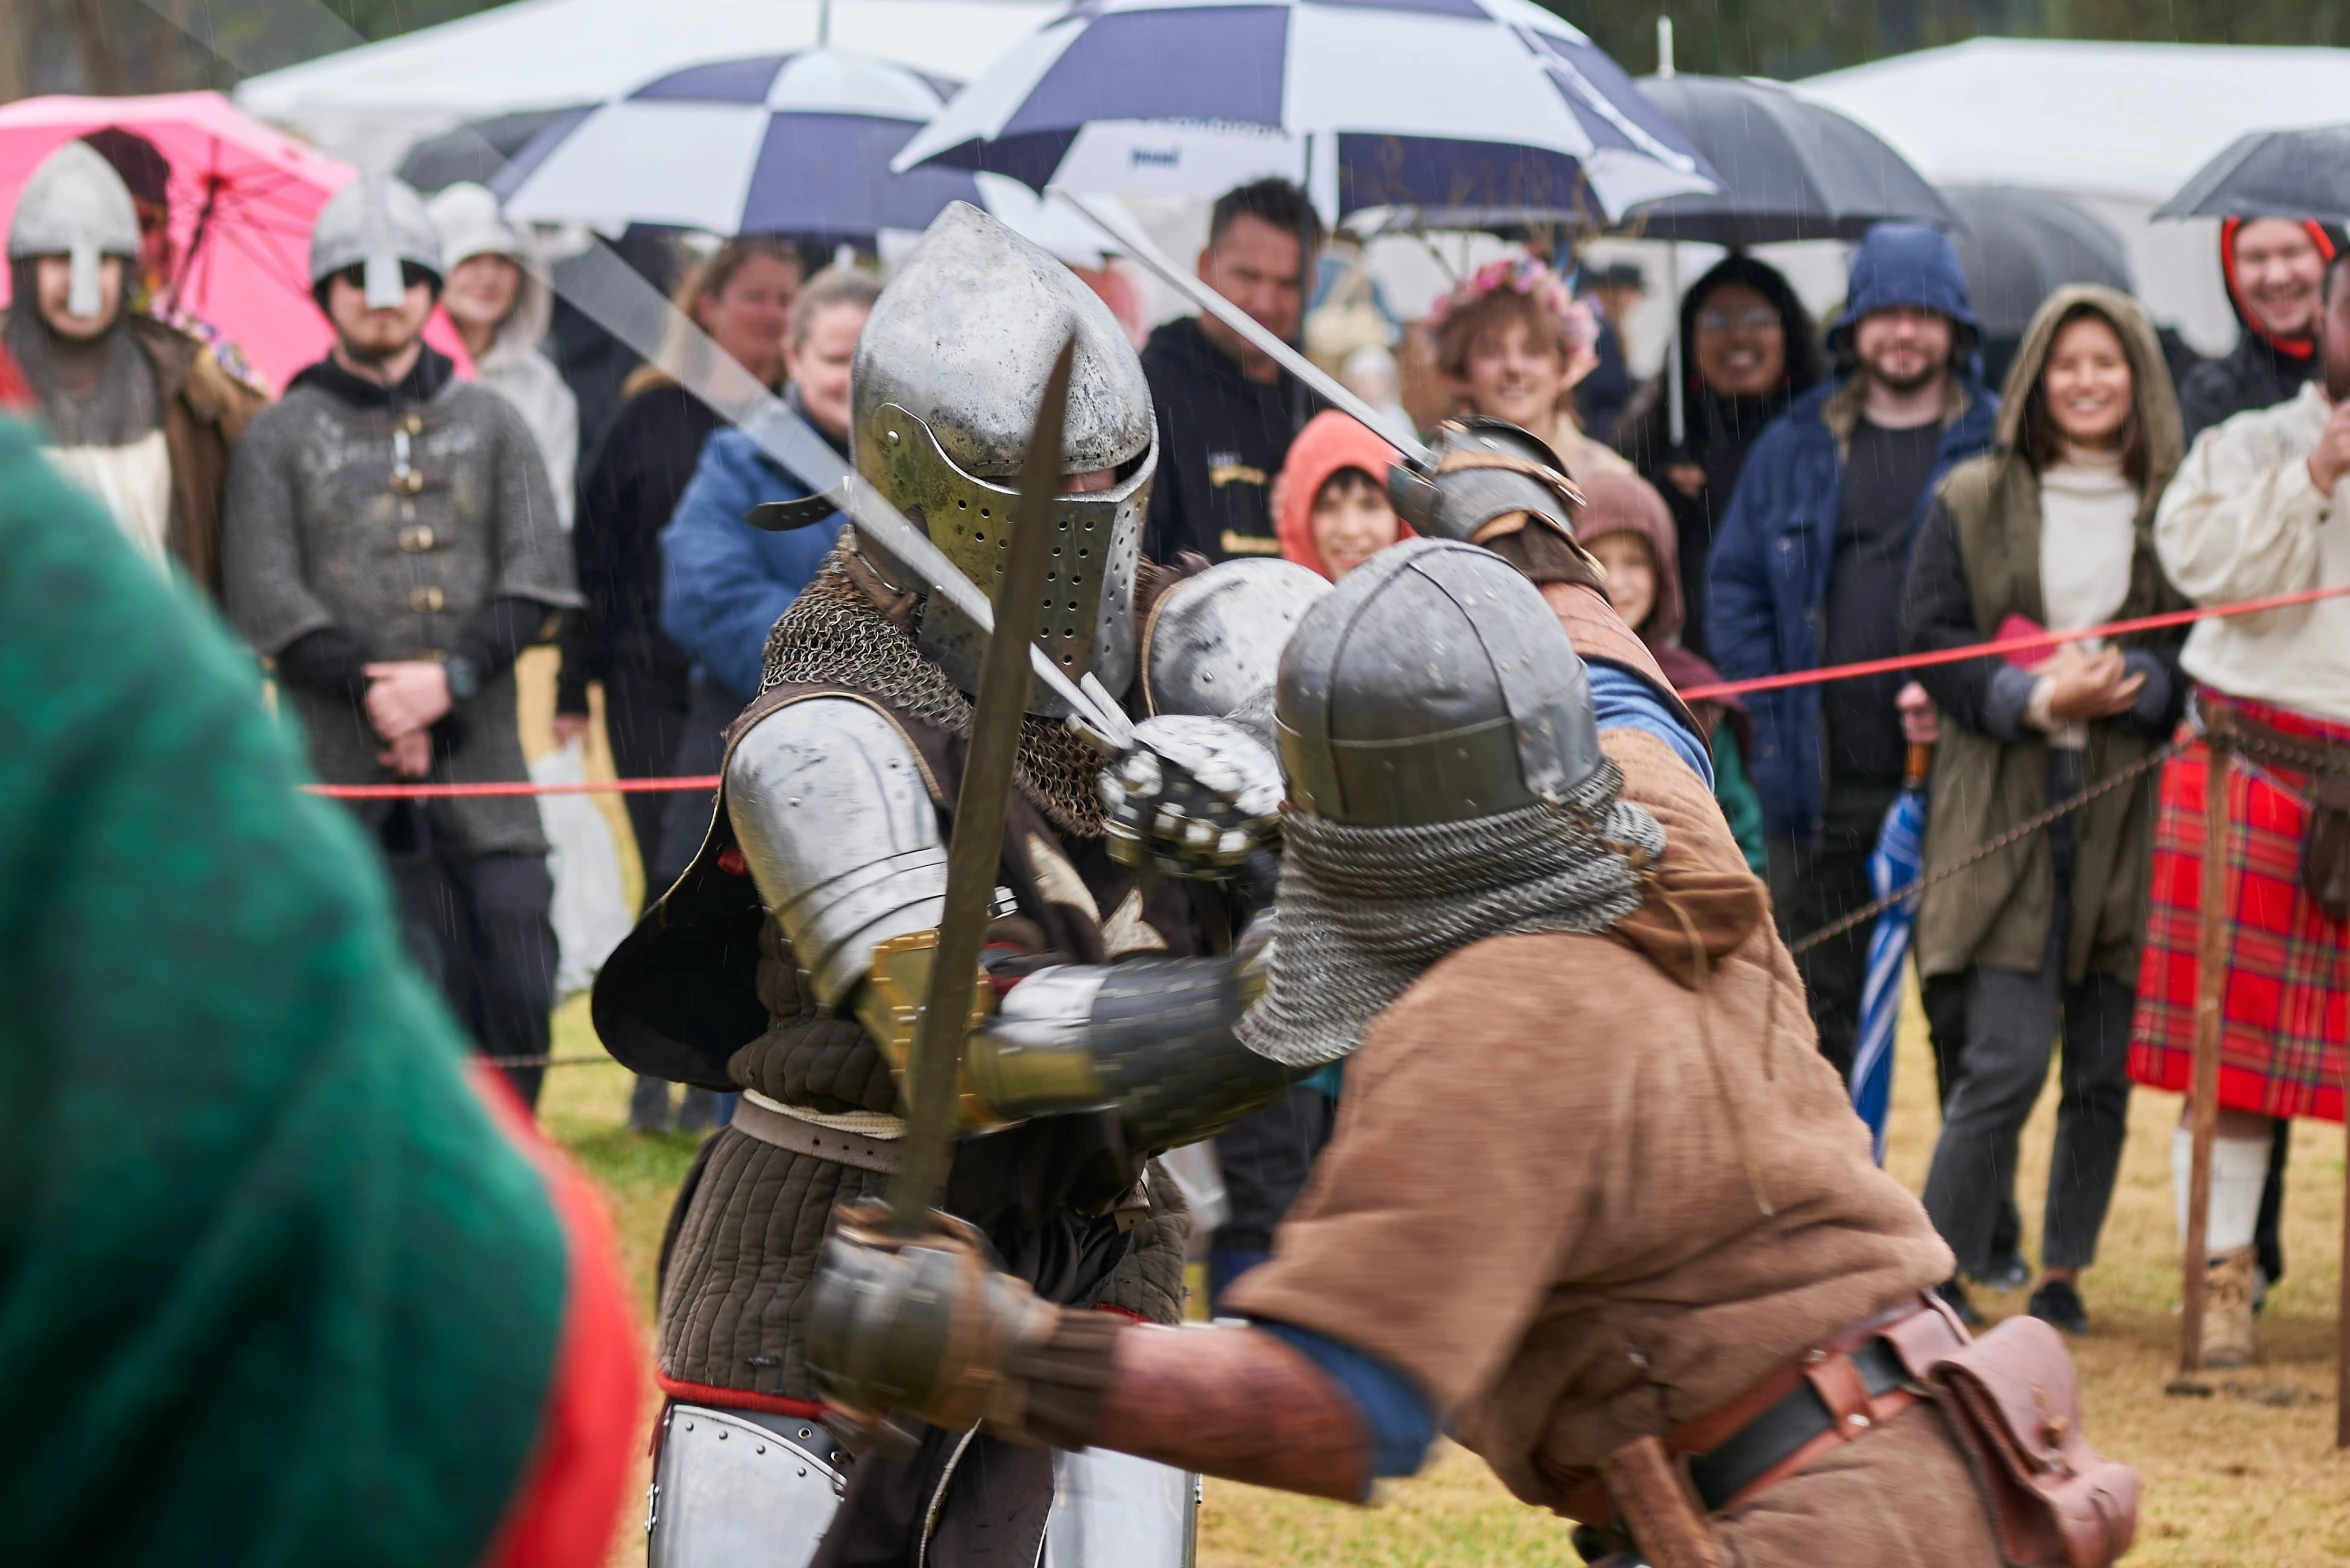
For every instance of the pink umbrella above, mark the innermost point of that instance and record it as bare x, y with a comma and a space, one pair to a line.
242, 200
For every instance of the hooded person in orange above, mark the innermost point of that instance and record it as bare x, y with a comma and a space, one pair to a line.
1333, 513
2272, 268
1624, 522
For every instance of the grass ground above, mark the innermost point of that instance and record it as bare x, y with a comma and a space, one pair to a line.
2247, 1476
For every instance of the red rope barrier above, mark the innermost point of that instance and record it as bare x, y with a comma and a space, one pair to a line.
1838, 672
524, 787
2005, 645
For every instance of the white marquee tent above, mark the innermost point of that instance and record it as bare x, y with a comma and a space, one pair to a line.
2118, 126
368, 103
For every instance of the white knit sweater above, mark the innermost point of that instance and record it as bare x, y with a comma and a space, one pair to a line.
2242, 521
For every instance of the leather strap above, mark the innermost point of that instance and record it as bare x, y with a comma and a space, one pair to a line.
2310, 754
803, 1137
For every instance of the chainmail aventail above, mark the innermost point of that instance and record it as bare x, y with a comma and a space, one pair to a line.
835, 635
1363, 912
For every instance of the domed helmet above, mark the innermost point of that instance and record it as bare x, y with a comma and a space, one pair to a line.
75, 206
947, 377
380, 225
1433, 684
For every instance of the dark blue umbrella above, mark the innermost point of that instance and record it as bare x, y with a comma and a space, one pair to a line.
796, 145
1494, 104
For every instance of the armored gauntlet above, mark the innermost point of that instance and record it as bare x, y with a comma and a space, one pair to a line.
923, 1325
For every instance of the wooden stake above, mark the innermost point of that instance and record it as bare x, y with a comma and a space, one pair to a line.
2342, 1326
2211, 953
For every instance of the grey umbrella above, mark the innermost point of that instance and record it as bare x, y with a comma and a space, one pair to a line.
2020, 246
1790, 169
2272, 174
475, 151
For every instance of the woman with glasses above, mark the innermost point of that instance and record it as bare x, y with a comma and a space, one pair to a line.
1748, 350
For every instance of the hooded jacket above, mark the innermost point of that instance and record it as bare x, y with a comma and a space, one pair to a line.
2262, 370
1767, 584
471, 225
1330, 441
1977, 563
1622, 503
725, 582
1717, 431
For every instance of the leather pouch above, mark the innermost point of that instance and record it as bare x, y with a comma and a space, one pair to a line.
2325, 846
2014, 1402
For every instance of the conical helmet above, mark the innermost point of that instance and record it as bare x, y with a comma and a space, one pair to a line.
75, 205
1433, 684
376, 223
948, 375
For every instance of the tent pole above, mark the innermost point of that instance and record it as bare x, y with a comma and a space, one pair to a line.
2211, 951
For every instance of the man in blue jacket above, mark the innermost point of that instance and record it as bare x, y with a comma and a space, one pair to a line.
724, 582
1807, 571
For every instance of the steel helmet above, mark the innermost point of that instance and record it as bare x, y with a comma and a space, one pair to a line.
377, 223
76, 206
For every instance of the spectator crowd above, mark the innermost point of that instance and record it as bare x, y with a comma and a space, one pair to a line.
394, 531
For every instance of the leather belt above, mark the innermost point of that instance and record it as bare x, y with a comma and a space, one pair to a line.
1836, 1391
1799, 1419
838, 1145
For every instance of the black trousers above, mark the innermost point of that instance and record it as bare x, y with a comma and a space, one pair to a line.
1265, 1158
685, 816
2013, 1021
478, 926
644, 716
1815, 884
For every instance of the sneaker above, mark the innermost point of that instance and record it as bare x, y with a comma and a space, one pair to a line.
2057, 1303
2008, 1273
1955, 1297
2227, 1310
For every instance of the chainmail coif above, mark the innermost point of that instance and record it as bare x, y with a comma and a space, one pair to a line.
833, 635
1363, 912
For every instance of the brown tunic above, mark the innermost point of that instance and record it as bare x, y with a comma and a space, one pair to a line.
1594, 1261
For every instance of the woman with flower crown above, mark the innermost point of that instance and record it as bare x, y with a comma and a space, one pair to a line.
1517, 341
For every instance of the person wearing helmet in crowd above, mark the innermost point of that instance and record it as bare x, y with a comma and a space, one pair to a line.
501, 306
392, 545
2273, 269
138, 413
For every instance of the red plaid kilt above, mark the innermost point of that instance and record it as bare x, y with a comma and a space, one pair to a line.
2286, 1011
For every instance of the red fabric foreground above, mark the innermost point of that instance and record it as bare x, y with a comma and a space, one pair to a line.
2286, 1009
567, 1507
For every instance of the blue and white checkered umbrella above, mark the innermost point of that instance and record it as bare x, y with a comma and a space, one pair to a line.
797, 145
1896, 862
1495, 104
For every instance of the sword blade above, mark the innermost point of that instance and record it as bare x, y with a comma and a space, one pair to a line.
975, 849
1117, 225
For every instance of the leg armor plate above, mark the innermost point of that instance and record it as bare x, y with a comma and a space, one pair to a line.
736, 1489
1112, 1510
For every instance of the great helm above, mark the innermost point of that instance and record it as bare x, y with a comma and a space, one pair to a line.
947, 378
75, 206
376, 223
1433, 684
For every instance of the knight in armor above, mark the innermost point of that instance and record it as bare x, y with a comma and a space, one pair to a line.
140, 413
772, 967
392, 546
1656, 1280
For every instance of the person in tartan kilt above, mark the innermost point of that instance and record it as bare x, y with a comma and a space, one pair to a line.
2251, 515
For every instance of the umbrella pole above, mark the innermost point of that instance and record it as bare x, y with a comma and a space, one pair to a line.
1676, 417
2210, 996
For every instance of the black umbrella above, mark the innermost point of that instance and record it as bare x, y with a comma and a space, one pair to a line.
2018, 247
1790, 169
475, 151
2272, 174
